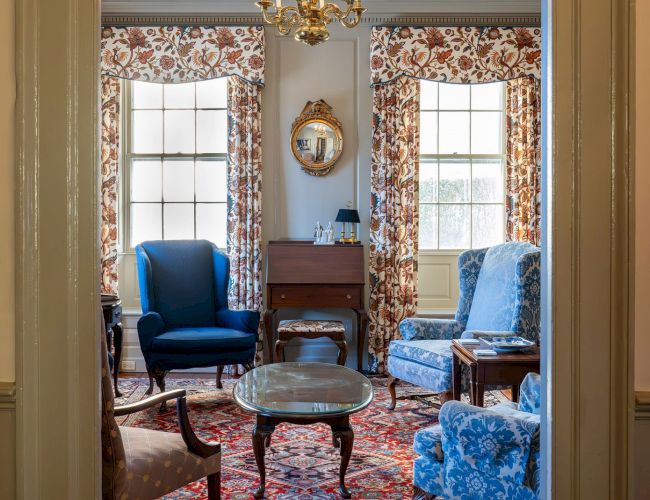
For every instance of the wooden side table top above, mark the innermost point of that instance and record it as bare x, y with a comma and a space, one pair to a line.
467, 354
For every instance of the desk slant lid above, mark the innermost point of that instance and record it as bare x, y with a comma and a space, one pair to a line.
291, 262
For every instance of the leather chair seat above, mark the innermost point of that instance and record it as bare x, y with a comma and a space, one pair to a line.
209, 339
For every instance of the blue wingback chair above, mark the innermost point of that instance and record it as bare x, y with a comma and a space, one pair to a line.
186, 322
479, 453
499, 293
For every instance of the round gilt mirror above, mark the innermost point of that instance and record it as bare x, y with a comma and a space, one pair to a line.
316, 138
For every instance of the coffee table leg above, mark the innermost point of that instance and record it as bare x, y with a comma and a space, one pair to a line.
261, 434
344, 437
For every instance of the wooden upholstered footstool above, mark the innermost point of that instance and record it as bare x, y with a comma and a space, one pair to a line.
311, 329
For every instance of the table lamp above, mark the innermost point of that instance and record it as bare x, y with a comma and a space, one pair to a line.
346, 216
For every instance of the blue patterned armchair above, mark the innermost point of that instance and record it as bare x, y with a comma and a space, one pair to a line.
186, 322
479, 453
499, 293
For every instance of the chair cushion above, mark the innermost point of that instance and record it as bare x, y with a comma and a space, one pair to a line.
158, 463
310, 325
428, 443
495, 295
433, 353
202, 340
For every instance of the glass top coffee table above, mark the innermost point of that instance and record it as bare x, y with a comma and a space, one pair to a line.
303, 394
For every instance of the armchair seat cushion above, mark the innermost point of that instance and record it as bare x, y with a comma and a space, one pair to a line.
159, 462
428, 443
201, 340
432, 353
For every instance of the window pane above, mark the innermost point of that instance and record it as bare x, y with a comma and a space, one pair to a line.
428, 95
487, 181
178, 180
179, 132
146, 222
429, 227
212, 93
211, 223
146, 180
487, 96
454, 226
487, 137
455, 179
428, 132
147, 131
147, 95
429, 182
179, 95
454, 96
454, 132
179, 221
212, 132
211, 183
487, 225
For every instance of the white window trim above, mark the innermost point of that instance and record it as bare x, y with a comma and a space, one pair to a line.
124, 176
437, 156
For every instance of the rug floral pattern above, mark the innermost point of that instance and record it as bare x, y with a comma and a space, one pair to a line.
301, 463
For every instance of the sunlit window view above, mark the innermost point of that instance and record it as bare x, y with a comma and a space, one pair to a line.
175, 182
462, 166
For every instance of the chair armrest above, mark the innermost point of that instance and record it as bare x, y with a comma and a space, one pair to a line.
244, 320
193, 442
429, 329
148, 402
150, 325
497, 445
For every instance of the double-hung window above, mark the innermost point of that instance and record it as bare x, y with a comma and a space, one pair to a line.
174, 178
462, 165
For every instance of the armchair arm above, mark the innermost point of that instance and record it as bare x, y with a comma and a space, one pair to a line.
150, 325
429, 329
244, 320
148, 402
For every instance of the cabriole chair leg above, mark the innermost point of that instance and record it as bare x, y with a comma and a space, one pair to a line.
392, 382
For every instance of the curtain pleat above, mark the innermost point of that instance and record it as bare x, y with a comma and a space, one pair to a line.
394, 213
110, 130
523, 160
245, 196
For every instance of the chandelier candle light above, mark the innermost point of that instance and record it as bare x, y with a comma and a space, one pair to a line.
311, 17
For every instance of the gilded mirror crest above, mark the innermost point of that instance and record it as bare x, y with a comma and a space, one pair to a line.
317, 138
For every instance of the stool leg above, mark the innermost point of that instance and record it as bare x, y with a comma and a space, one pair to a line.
279, 351
343, 352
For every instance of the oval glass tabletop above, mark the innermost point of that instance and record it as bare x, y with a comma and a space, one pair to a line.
303, 390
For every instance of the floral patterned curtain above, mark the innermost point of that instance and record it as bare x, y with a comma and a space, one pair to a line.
394, 212
245, 197
524, 160
173, 54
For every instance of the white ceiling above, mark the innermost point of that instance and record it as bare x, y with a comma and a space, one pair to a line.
154, 7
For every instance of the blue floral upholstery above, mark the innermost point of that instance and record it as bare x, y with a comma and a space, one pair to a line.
479, 453
499, 292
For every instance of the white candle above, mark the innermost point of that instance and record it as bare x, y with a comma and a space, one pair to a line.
278, 4
322, 3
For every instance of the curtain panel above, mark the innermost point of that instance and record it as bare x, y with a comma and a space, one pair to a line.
524, 160
172, 54
394, 213
455, 55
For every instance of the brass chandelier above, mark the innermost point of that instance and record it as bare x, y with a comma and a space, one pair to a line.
311, 17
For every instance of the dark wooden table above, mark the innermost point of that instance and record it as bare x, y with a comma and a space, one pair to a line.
502, 369
112, 310
302, 275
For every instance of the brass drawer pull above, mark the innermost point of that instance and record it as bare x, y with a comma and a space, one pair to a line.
283, 296
348, 296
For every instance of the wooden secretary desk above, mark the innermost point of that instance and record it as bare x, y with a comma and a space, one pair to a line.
300, 274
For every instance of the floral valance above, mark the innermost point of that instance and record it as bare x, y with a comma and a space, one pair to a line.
455, 55
174, 54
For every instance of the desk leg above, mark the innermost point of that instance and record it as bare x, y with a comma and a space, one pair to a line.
455, 377
268, 332
118, 341
362, 328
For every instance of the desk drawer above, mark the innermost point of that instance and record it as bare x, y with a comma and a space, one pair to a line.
316, 296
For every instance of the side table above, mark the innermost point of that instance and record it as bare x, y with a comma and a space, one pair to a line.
502, 369
112, 310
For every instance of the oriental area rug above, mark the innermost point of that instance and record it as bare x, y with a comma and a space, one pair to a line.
301, 463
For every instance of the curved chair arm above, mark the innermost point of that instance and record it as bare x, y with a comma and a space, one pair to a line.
120, 411
430, 329
244, 320
150, 325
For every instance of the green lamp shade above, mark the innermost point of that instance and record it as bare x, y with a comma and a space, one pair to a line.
347, 215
